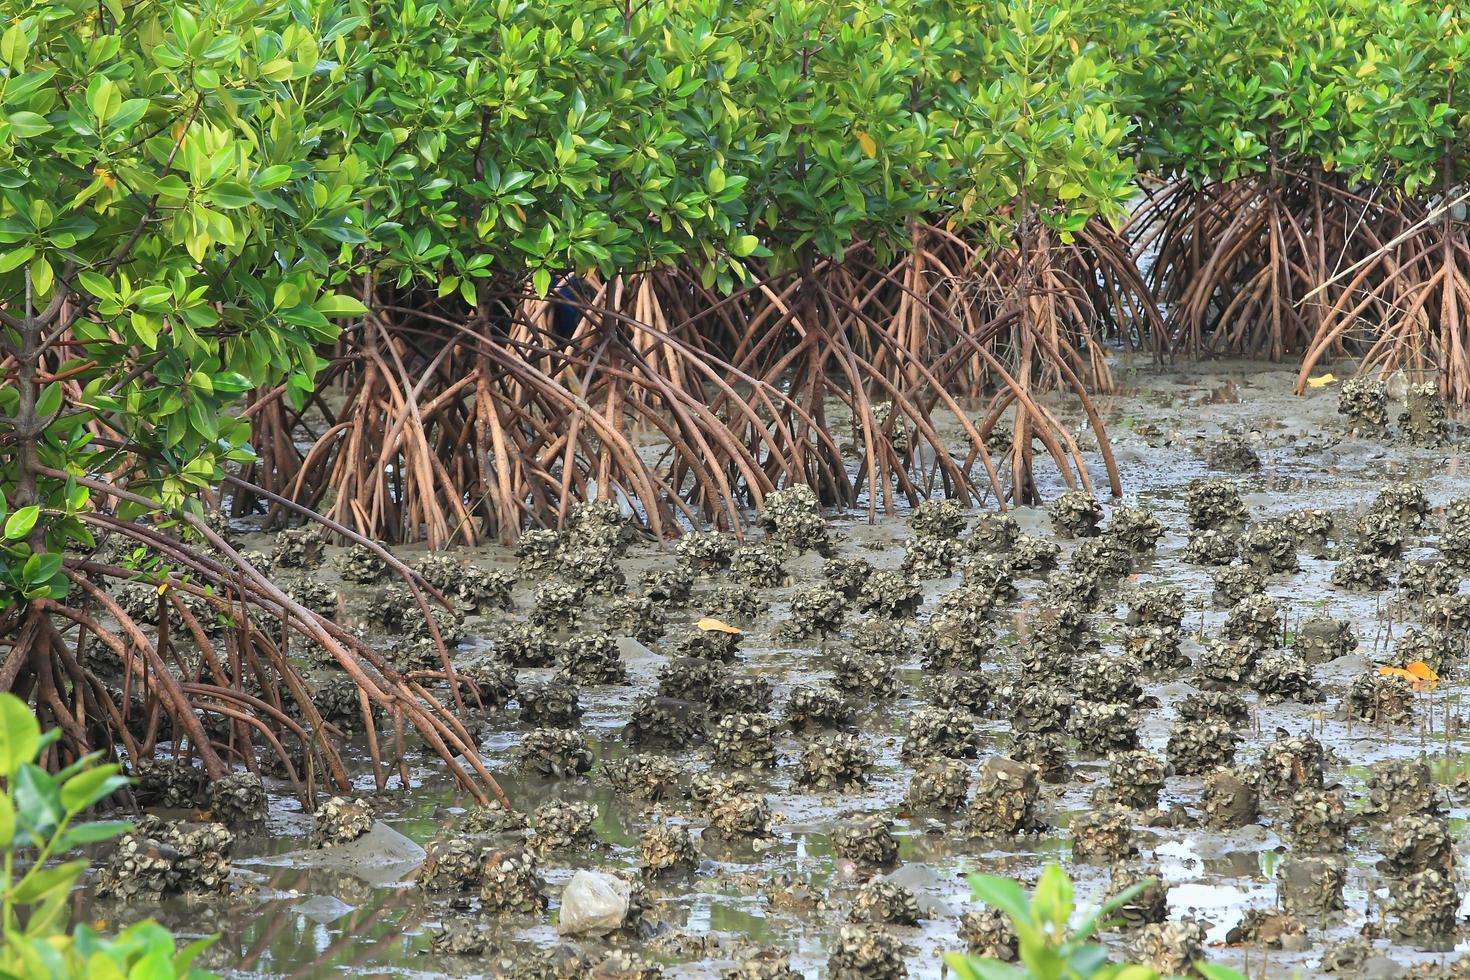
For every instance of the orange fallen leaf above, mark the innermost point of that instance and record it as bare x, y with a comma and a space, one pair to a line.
1421, 676
711, 625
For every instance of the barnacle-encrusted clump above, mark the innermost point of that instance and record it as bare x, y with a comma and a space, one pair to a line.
941, 731
1039, 708
714, 643
1155, 647
510, 881
1047, 751
1057, 636
1076, 585
461, 937
1406, 503
1197, 747
1104, 833
793, 518
1102, 727
1231, 799
524, 645
1423, 419
732, 694
938, 519
704, 552
1375, 697
237, 800
1311, 526
1448, 612
644, 776
1423, 906
1113, 679
1397, 787
537, 549
561, 825
1439, 648
622, 964
557, 604
472, 588
551, 705
596, 524
1075, 514
1227, 707
1033, 554
1454, 546
706, 787
865, 953
1236, 582
993, 533
834, 762
636, 616
939, 784
1005, 799
881, 901
1214, 505
759, 566
1223, 663
1211, 547
740, 815
1417, 842
889, 638
989, 933
1272, 929
956, 637
494, 682
866, 840
669, 722
669, 586
1232, 453
1310, 885
1365, 403
452, 863
1346, 957
362, 565
846, 575
340, 820
1104, 558
489, 818
817, 610
299, 547
1291, 763
744, 740
1270, 548
930, 558
1155, 604
339, 701
965, 690
1322, 638
555, 752
1149, 905
891, 593
1381, 534
174, 785
821, 706
315, 595
1361, 573
1135, 777
1281, 675
161, 858
1169, 948
864, 675
591, 658
764, 964
1427, 578
666, 848
1135, 528
1318, 820
594, 572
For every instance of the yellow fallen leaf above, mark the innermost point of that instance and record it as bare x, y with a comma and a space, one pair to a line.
711, 625
162, 587
1321, 381
870, 147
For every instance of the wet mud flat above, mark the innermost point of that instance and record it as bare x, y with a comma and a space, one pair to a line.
783, 755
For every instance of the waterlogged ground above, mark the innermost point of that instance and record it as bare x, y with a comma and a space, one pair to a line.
296, 918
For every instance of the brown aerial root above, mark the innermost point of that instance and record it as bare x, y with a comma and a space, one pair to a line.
224, 694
